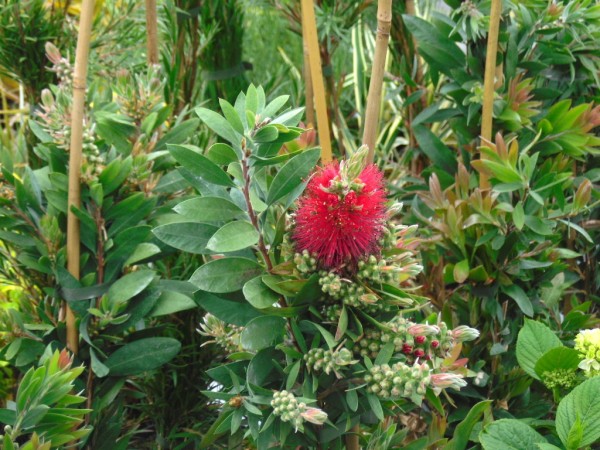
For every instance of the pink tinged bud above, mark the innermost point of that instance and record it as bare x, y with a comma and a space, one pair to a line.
435, 344
407, 349
314, 415
464, 333
448, 380
419, 353
64, 360
423, 329
420, 339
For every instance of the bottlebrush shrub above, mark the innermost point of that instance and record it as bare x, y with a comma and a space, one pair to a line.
304, 284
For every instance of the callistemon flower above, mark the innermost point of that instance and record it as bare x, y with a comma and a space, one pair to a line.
341, 215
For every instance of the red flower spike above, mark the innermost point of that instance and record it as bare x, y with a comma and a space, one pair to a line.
341, 220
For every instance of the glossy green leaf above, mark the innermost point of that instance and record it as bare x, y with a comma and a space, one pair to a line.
199, 165
142, 355
580, 404
557, 358
518, 295
221, 154
129, 286
218, 124
191, 237
263, 332
209, 209
171, 302
534, 340
510, 434
258, 294
225, 274
233, 236
292, 174
229, 311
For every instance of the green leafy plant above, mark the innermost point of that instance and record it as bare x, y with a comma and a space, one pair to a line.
310, 317
43, 410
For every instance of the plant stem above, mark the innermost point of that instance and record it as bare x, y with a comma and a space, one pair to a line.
309, 26
384, 24
253, 218
151, 32
488, 80
74, 199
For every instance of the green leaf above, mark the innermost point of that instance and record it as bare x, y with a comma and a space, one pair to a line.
235, 313
178, 134
385, 354
221, 154
266, 134
557, 358
219, 125
232, 116
352, 399
171, 302
34, 415
435, 149
510, 434
440, 50
258, 294
199, 165
580, 404
519, 215
518, 295
191, 237
142, 355
129, 286
534, 340
209, 209
263, 332
143, 251
463, 430
233, 236
375, 405
225, 274
292, 174
461, 271
538, 225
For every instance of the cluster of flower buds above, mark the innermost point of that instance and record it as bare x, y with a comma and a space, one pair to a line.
409, 381
138, 95
60, 65
560, 378
587, 342
305, 262
415, 341
225, 335
343, 289
398, 380
328, 361
289, 409
375, 270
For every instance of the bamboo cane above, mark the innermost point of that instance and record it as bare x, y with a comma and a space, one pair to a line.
309, 27
74, 199
384, 24
308, 87
151, 32
488, 80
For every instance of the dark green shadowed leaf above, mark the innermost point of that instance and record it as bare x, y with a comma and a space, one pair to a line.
142, 355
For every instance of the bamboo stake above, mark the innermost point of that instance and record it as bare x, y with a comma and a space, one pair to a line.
309, 28
308, 87
74, 199
488, 80
384, 24
151, 32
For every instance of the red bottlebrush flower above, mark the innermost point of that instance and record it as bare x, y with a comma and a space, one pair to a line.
340, 218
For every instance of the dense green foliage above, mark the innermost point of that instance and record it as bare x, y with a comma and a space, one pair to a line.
197, 320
